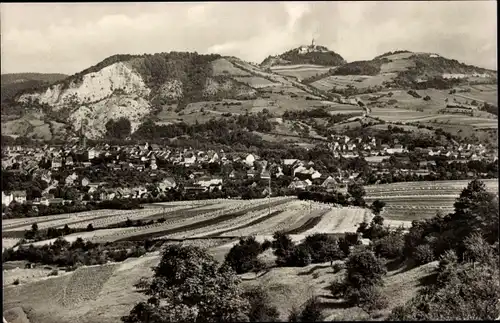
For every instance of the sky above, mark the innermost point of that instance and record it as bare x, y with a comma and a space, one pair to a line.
69, 37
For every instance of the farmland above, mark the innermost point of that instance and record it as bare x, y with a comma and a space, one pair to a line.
301, 71
418, 200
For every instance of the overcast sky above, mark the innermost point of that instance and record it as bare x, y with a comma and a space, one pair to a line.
67, 38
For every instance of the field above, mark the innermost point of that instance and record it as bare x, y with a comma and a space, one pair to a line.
104, 293
418, 200
301, 72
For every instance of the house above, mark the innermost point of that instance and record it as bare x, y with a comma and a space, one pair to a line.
70, 179
329, 183
153, 165
210, 183
189, 161
69, 161
167, 184
55, 201
265, 175
7, 198
91, 153
233, 174
56, 163
252, 173
85, 182
250, 159
297, 184
213, 157
19, 196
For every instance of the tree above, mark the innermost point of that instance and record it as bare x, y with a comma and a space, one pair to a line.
189, 286
357, 191
283, 247
119, 129
260, 308
323, 247
390, 246
377, 206
243, 256
364, 269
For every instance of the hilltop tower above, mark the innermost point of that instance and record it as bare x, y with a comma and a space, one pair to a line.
312, 43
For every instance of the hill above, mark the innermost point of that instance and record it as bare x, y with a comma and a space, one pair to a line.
312, 54
185, 87
402, 69
13, 83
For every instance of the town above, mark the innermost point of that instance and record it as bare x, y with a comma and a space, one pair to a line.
69, 174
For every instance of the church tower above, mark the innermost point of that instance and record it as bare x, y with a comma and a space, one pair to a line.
83, 138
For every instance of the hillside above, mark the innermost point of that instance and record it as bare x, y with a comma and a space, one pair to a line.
312, 54
402, 69
11, 84
137, 87
187, 87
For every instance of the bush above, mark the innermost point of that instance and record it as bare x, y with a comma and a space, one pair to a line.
338, 267
364, 269
243, 256
266, 245
423, 254
311, 311
390, 246
260, 308
322, 248
54, 273
338, 288
16, 282
368, 298
300, 257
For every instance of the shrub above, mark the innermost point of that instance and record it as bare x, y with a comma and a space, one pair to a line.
322, 247
423, 254
338, 267
54, 273
338, 288
266, 245
311, 311
294, 315
390, 246
16, 282
364, 269
300, 257
368, 298
260, 308
243, 256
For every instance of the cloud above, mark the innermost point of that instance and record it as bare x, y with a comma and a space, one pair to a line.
68, 38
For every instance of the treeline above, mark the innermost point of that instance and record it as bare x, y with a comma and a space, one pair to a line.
72, 255
214, 130
317, 113
360, 67
327, 58
28, 210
